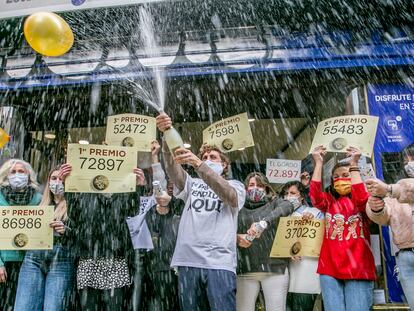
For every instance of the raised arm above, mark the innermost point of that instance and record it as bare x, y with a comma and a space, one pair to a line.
403, 190
318, 198
359, 192
174, 171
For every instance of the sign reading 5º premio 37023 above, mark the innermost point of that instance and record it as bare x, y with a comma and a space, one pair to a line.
339, 133
26, 227
101, 169
230, 134
131, 130
298, 237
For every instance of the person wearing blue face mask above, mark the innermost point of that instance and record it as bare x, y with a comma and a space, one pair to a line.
255, 268
304, 285
18, 186
46, 276
205, 252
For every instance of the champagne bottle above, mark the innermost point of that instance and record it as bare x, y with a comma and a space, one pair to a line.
173, 139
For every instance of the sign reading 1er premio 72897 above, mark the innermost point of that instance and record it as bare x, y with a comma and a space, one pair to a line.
339, 133
26, 227
100, 168
131, 130
281, 171
230, 134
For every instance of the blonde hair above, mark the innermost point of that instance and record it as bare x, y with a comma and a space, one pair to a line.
48, 198
7, 167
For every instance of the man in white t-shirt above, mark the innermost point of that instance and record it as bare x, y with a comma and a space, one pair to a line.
205, 252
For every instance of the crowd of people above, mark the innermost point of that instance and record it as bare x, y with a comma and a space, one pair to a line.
208, 252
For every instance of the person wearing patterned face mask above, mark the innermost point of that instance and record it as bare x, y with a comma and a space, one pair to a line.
18, 186
302, 295
393, 205
255, 268
58, 262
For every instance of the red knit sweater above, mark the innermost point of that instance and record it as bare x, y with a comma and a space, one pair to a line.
345, 252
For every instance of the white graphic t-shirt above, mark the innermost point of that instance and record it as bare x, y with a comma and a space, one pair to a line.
208, 227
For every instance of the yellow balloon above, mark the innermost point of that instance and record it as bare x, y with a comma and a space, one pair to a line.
4, 138
48, 33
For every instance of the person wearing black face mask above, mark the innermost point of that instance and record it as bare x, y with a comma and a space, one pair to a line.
18, 186
46, 276
255, 268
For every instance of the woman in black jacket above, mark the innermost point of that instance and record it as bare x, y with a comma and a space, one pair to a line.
255, 268
101, 240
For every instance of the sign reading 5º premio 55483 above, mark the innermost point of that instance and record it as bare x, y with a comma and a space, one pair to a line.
101, 169
131, 130
298, 237
230, 134
339, 133
26, 227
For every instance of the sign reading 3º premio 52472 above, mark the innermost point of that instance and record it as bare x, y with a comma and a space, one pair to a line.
131, 130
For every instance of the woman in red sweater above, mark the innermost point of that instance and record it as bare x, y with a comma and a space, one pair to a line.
346, 264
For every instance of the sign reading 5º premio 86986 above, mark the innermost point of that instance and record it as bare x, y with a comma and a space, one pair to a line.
230, 134
26, 227
339, 133
298, 237
100, 168
131, 130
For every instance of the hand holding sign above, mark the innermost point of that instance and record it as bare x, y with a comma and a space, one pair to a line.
337, 134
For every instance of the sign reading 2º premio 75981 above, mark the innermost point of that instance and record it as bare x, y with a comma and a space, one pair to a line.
230, 134
100, 168
26, 227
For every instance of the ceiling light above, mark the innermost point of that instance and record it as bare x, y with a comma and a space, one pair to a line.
50, 136
84, 142
241, 149
251, 119
186, 145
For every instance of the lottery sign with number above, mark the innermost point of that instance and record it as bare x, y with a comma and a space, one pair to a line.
131, 130
101, 169
281, 171
339, 133
26, 227
298, 237
230, 134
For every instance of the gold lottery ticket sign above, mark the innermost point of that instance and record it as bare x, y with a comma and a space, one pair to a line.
230, 134
26, 227
100, 168
298, 237
339, 133
131, 130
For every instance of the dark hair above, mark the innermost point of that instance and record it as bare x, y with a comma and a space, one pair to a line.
262, 181
297, 184
224, 159
332, 190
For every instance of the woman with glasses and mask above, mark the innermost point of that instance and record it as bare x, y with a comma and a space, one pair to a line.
302, 295
18, 187
46, 276
393, 205
255, 268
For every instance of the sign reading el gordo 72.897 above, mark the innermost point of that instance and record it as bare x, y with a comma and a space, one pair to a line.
131, 130
230, 134
282, 171
26, 227
339, 133
100, 168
